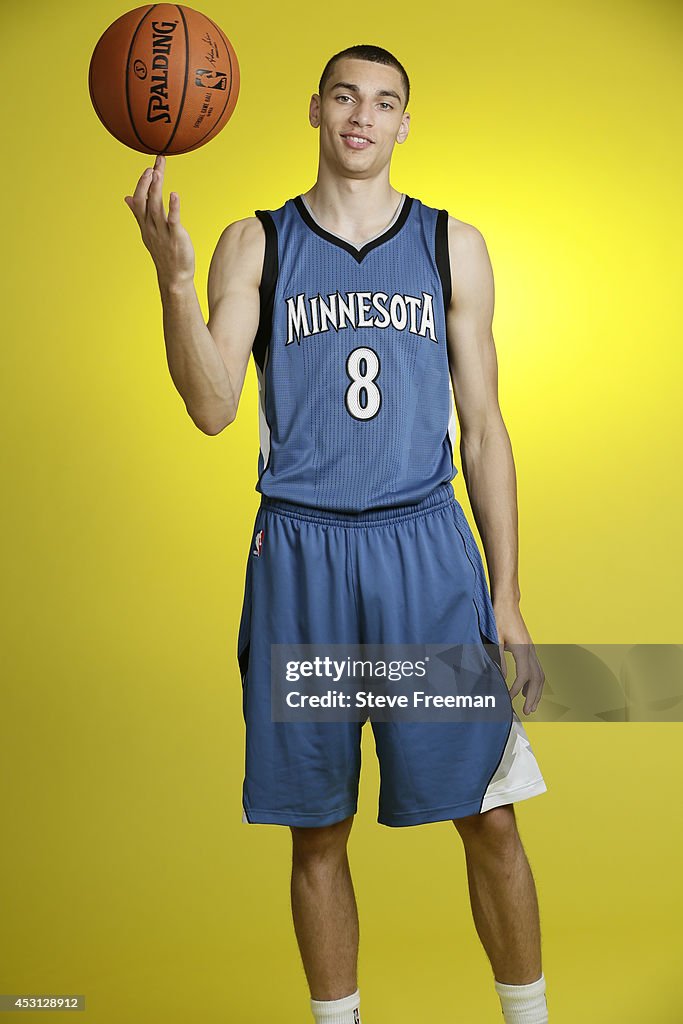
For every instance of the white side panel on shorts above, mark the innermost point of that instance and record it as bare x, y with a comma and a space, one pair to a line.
245, 819
518, 775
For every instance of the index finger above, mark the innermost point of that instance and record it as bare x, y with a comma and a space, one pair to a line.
142, 187
155, 204
137, 201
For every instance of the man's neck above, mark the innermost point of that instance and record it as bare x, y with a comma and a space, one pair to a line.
354, 210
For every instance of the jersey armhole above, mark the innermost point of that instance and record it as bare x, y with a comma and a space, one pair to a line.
443, 261
266, 289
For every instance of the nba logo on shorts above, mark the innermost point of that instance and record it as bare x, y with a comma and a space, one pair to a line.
258, 543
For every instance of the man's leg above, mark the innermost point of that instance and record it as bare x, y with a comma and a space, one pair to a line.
502, 894
324, 909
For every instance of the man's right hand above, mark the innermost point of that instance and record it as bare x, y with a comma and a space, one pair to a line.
165, 237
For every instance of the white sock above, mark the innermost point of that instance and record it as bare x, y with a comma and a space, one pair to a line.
337, 1011
523, 1004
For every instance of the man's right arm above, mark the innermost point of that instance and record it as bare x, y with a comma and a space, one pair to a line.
208, 361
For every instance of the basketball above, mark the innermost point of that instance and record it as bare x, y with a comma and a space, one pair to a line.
164, 79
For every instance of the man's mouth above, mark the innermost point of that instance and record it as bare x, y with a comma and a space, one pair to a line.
357, 141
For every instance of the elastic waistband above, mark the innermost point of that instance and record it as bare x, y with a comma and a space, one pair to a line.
440, 496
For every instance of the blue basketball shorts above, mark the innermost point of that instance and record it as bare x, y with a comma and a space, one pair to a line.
401, 575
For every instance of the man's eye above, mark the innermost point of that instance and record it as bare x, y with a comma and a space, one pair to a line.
384, 103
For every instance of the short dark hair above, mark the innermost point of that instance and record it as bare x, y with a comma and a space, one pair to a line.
376, 54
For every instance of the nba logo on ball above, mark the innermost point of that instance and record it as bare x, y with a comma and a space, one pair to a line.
258, 543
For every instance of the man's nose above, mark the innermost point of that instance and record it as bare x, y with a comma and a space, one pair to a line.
362, 115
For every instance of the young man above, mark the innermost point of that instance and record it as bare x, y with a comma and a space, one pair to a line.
360, 306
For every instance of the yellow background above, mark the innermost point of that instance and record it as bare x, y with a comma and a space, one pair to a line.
127, 874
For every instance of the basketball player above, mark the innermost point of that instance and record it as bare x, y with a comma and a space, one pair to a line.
360, 306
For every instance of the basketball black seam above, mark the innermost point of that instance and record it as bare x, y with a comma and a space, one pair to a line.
130, 50
187, 64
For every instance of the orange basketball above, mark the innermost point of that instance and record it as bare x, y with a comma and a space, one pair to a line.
164, 79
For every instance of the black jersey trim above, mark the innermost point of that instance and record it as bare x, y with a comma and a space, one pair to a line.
443, 261
450, 445
243, 660
358, 254
266, 289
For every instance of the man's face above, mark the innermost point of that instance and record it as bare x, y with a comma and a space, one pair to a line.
360, 99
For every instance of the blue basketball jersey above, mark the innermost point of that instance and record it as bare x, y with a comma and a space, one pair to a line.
356, 410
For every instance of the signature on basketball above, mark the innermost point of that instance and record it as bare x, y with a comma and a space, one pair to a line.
212, 56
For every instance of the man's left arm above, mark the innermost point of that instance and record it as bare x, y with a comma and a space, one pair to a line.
485, 449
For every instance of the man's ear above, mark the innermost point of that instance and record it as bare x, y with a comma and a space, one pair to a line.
403, 130
314, 110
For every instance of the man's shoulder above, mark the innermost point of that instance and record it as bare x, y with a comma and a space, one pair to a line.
240, 251
250, 233
463, 234
463, 237
470, 263
244, 237
246, 229
467, 250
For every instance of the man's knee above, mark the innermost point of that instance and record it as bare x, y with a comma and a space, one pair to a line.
496, 826
322, 841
